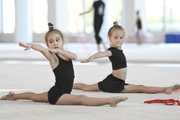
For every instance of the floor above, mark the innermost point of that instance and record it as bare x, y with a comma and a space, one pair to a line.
148, 64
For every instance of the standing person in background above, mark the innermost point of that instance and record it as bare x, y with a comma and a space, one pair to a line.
99, 8
138, 24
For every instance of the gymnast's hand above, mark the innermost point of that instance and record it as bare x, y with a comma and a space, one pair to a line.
26, 46
90, 59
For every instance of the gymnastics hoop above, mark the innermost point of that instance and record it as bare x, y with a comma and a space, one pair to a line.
81, 40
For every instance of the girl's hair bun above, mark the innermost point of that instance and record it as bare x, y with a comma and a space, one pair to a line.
51, 27
115, 23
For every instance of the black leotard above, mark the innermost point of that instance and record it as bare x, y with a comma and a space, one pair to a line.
111, 83
118, 59
64, 74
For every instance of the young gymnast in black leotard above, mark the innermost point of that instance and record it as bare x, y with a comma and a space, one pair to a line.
115, 82
61, 63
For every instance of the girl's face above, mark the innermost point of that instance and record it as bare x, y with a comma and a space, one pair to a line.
55, 41
117, 38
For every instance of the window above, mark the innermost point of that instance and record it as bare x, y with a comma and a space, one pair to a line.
115, 10
40, 16
79, 23
8, 16
172, 18
154, 15
74, 20
163, 16
88, 18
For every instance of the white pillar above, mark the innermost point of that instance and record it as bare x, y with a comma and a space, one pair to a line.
105, 25
1, 16
23, 28
128, 15
52, 12
58, 14
62, 15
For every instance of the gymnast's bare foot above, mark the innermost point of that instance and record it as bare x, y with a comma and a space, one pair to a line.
115, 100
172, 88
10, 96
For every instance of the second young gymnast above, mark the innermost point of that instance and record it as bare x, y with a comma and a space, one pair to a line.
115, 82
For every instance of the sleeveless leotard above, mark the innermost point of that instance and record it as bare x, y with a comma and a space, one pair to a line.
64, 76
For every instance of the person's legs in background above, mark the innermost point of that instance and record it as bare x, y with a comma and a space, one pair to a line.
97, 28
